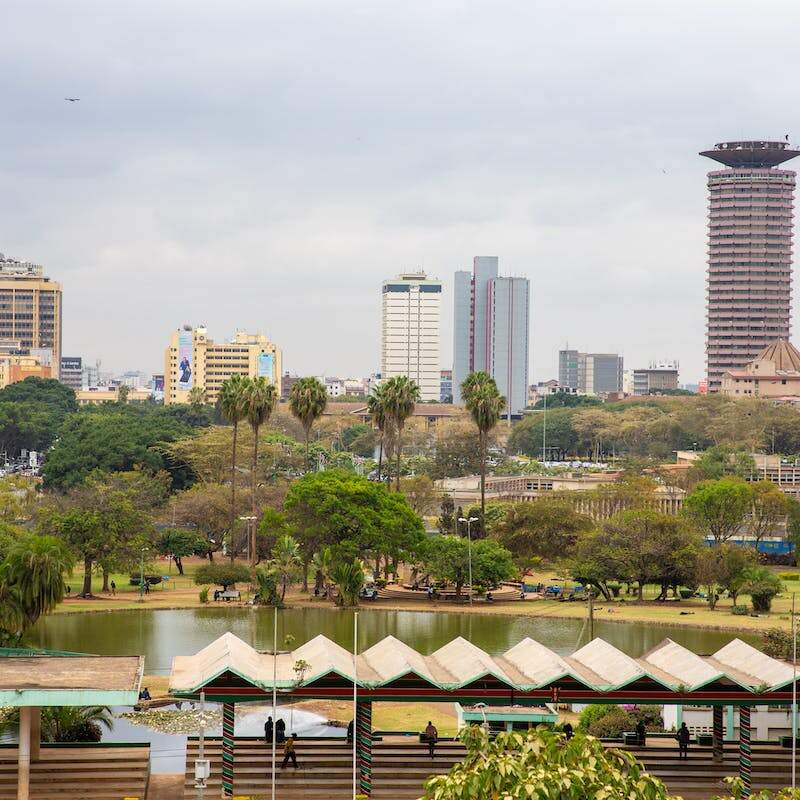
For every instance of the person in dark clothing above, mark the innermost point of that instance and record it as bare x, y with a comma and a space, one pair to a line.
641, 731
568, 732
350, 732
269, 727
431, 737
683, 741
280, 731
289, 753
113, 587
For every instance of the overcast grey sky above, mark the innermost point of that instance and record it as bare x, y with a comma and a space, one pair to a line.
265, 165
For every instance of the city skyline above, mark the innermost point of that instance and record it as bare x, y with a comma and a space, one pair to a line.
170, 193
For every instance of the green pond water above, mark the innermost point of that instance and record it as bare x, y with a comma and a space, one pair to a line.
160, 635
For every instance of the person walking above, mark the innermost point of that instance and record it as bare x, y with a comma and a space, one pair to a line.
431, 736
280, 731
113, 587
683, 741
269, 727
289, 752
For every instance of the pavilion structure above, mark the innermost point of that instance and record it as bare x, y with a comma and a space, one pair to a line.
31, 680
230, 671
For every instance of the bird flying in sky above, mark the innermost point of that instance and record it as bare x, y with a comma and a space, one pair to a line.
72, 99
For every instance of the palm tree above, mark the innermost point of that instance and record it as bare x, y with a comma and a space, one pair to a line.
260, 399
307, 401
32, 577
66, 723
321, 563
401, 394
286, 562
232, 407
197, 397
376, 405
485, 404
349, 577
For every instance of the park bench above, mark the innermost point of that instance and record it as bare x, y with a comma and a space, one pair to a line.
228, 594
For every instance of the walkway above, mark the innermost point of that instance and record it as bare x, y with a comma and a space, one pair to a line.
400, 766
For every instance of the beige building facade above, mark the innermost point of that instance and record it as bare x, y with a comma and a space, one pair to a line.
773, 374
30, 308
192, 359
15, 368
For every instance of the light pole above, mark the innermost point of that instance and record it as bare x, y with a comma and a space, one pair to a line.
482, 707
141, 576
544, 430
251, 539
469, 550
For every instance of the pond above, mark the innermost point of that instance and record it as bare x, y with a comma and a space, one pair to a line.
160, 635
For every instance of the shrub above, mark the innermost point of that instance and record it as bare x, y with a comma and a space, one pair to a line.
650, 715
777, 643
762, 585
612, 724
685, 593
204, 595
789, 576
740, 611
593, 712
223, 575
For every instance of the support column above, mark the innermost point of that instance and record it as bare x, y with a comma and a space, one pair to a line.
745, 762
24, 754
227, 749
717, 734
730, 728
364, 746
36, 733
678, 717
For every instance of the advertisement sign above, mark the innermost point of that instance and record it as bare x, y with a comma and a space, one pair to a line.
265, 365
185, 375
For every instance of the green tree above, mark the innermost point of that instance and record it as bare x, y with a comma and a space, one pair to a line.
762, 586
261, 397
223, 575
360, 439
527, 435
307, 401
204, 509
377, 405
266, 581
446, 558
719, 508
197, 397
31, 582
770, 508
724, 567
447, 520
67, 723
401, 394
349, 578
547, 528
721, 460
178, 544
232, 396
542, 765
322, 565
485, 404
421, 494
286, 562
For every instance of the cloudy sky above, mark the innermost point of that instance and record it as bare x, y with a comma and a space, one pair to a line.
265, 165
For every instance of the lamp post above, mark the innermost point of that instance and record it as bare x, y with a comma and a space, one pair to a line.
482, 707
141, 575
469, 550
251, 539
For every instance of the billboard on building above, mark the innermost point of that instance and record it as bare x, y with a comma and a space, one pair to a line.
265, 361
185, 361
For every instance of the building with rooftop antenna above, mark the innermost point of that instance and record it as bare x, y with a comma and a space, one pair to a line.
749, 278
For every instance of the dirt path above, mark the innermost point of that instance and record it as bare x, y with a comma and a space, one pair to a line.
165, 787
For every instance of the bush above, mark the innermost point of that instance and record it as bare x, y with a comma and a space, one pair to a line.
762, 585
85, 731
740, 611
612, 724
685, 593
204, 595
223, 575
789, 576
777, 643
650, 715
593, 712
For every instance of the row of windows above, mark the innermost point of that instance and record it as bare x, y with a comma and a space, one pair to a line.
406, 288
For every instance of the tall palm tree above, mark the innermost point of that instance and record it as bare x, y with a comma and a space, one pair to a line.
485, 404
232, 395
307, 401
197, 397
401, 394
378, 412
260, 399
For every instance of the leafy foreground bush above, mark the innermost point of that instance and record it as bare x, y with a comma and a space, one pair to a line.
541, 765
737, 793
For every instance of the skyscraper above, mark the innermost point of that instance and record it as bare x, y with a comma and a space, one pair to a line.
590, 373
30, 309
491, 320
410, 331
749, 279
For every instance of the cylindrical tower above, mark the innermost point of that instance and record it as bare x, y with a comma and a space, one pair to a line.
749, 281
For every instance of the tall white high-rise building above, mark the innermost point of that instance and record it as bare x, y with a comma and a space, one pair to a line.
410, 331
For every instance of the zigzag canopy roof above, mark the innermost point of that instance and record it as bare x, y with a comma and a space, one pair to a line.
528, 666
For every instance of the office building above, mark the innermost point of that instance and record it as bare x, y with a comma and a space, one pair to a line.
192, 359
774, 374
749, 277
660, 376
71, 373
446, 386
15, 368
30, 308
591, 373
410, 331
491, 320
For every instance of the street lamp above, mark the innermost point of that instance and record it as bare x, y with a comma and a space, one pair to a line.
482, 708
141, 575
469, 549
251, 539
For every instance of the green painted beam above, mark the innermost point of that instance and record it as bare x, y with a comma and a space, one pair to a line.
67, 697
